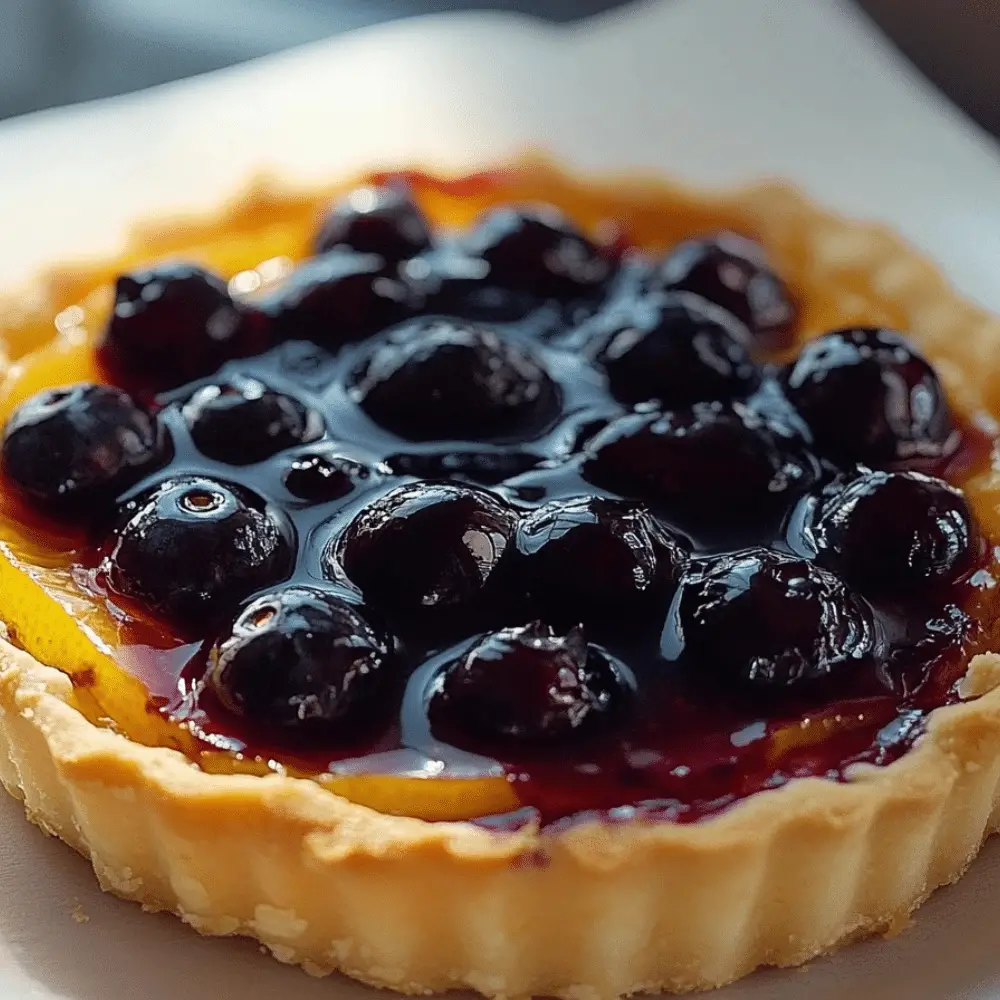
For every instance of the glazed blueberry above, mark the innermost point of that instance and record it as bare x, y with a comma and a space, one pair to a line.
448, 379
241, 421
679, 350
766, 620
335, 299
300, 660
380, 220
527, 684
72, 450
590, 558
733, 272
869, 397
319, 476
427, 547
192, 549
538, 251
711, 466
174, 323
895, 532
451, 282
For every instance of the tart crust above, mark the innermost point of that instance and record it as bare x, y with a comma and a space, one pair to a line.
589, 910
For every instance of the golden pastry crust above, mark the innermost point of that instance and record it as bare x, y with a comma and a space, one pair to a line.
588, 911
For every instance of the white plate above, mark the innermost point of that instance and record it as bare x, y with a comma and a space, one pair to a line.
716, 90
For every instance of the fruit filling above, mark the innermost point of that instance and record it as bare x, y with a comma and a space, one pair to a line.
543, 514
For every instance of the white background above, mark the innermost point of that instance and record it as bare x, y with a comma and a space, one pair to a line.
715, 90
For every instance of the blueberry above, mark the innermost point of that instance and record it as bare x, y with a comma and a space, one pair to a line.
527, 684
73, 450
706, 466
336, 298
764, 620
589, 558
679, 350
376, 220
242, 421
323, 474
733, 272
895, 533
300, 660
869, 397
422, 548
538, 251
174, 323
448, 379
192, 549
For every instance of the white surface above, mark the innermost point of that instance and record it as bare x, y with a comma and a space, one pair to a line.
717, 90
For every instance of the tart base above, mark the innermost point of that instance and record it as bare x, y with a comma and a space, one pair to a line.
587, 912
590, 912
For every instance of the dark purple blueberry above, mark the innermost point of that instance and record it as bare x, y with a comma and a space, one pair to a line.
241, 421
895, 533
448, 379
424, 547
192, 549
322, 475
73, 450
376, 220
770, 621
733, 272
527, 684
869, 397
708, 466
538, 251
678, 350
590, 558
300, 660
175, 323
450, 282
335, 299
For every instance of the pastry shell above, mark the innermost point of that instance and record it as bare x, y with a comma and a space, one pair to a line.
586, 911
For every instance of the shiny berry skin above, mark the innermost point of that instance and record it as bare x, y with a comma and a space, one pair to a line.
733, 272
527, 684
174, 323
380, 220
869, 397
893, 533
335, 299
322, 475
300, 660
428, 547
706, 466
242, 421
682, 350
73, 450
765, 620
446, 379
590, 558
538, 251
451, 282
192, 549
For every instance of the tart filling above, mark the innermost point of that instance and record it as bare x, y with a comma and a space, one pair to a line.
518, 519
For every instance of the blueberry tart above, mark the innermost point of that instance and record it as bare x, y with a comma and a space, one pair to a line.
507, 582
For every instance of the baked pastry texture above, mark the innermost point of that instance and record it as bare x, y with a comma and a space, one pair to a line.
588, 908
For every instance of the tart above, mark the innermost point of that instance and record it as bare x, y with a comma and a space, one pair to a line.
506, 582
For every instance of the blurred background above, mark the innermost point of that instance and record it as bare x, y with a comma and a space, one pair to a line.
56, 52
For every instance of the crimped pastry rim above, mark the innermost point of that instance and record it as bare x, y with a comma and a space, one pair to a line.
942, 796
